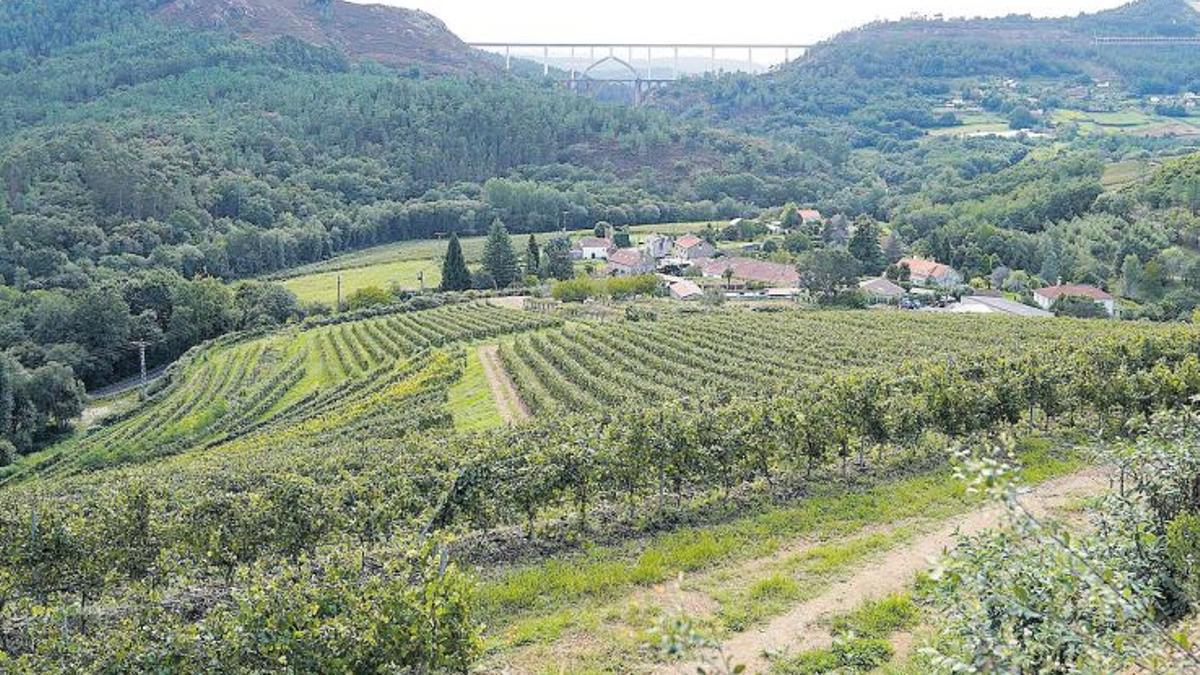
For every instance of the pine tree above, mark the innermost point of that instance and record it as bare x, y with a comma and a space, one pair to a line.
533, 257
499, 258
455, 275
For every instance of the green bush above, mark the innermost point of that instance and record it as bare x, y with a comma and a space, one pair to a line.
1183, 552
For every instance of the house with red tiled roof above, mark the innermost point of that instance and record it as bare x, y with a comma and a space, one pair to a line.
691, 247
1046, 297
810, 216
751, 271
625, 262
685, 289
931, 273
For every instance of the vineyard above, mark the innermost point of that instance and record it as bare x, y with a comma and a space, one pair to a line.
380, 377
588, 366
282, 494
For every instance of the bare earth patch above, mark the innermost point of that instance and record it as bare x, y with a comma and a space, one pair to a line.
512, 408
803, 627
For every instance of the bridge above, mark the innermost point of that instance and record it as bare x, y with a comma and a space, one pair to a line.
632, 53
641, 66
1154, 41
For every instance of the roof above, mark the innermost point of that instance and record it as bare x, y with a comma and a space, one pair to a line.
1082, 290
749, 269
926, 268
685, 289
595, 242
688, 241
810, 214
881, 286
628, 257
1003, 306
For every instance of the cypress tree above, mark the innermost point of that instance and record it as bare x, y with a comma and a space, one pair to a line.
499, 258
533, 257
455, 275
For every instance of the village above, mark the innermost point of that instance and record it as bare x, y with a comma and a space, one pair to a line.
697, 267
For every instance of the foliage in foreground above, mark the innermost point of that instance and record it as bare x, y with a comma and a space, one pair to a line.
1038, 598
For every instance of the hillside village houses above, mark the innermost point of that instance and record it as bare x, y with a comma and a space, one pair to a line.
751, 271
810, 216
881, 289
691, 247
630, 262
1046, 297
592, 248
685, 289
931, 273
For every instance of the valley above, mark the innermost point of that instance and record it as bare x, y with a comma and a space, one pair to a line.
882, 360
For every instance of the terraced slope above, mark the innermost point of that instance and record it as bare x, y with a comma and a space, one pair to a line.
384, 377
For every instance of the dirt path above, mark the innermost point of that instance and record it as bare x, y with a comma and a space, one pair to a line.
801, 628
512, 408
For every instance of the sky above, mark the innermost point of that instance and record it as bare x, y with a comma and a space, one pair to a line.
760, 21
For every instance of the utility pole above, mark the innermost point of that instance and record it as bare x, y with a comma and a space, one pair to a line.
339, 294
141, 347
421, 279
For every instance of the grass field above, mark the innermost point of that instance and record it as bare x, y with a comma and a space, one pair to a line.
401, 264
1121, 174
1130, 121
322, 286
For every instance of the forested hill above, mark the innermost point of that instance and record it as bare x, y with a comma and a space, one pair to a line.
390, 35
150, 152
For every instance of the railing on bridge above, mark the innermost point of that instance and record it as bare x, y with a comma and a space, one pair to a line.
1149, 40
630, 55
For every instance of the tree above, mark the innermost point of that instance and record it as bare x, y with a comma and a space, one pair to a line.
368, 296
557, 261
864, 246
826, 271
1131, 276
499, 258
1021, 118
455, 275
621, 238
533, 257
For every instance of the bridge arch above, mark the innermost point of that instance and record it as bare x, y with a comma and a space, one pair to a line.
635, 75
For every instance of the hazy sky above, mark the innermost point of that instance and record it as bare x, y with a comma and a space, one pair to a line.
792, 21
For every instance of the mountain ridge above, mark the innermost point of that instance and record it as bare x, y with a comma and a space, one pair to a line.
393, 36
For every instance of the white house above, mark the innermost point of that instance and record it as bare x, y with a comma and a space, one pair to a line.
931, 273
593, 248
629, 262
1046, 297
691, 247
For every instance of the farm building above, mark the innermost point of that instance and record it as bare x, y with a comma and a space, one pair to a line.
749, 270
686, 290
810, 216
592, 248
881, 289
980, 304
658, 246
931, 273
1046, 297
691, 247
629, 262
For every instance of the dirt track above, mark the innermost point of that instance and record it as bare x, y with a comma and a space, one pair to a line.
508, 400
802, 628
